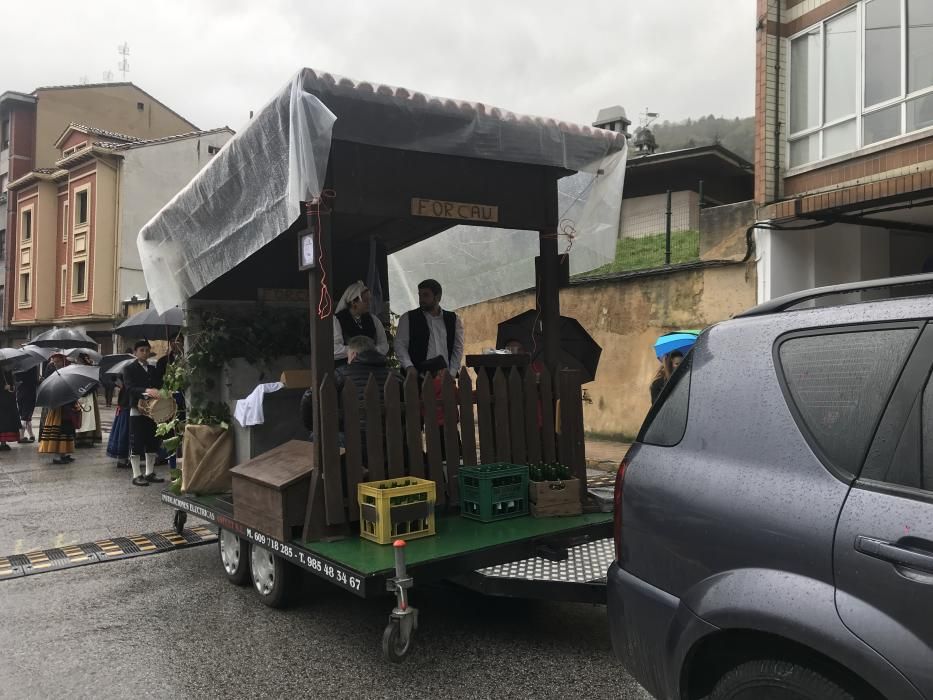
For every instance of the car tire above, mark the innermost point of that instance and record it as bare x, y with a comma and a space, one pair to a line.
774, 678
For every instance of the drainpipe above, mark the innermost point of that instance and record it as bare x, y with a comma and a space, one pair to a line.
777, 105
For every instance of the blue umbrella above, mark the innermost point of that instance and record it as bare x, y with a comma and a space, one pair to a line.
680, 341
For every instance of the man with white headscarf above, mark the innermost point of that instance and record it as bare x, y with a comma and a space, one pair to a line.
353, 319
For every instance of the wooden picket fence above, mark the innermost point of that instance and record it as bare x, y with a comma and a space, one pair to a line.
511, 419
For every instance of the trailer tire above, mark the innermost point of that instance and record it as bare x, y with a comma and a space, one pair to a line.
274, 579
234, 557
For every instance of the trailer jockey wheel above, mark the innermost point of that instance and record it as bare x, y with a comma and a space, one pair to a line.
274, 579
178, 522
234, 555
399, 634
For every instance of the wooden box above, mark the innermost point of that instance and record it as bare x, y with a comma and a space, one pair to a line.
270, 492
550, 498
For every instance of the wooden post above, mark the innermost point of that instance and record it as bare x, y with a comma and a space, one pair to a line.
572, 443
549, 297
322, 364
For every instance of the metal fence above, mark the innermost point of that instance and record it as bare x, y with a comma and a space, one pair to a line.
665, 235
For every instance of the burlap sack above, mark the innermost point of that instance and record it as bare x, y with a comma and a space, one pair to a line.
208, 458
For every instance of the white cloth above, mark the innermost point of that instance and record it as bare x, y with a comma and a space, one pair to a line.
437, 344
354, 291
249, 410
340, 345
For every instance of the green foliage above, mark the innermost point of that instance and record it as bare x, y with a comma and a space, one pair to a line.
649, 251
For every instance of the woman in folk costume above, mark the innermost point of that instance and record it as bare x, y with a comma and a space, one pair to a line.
90, 433
118, 446
353, 318
9, 413
57, 427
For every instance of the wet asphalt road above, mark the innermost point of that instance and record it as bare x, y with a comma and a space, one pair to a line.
171, 626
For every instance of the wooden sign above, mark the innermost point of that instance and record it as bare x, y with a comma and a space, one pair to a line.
439, 209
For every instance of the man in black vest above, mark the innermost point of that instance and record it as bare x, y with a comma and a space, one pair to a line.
353, 319
140, 380
429, 338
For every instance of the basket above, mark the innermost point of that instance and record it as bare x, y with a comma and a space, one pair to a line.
396, 509
492, 492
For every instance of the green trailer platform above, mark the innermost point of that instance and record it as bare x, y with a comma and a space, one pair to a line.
562, 558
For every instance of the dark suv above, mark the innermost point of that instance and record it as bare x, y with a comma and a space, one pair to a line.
774, 521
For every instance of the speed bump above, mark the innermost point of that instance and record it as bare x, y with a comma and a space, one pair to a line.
39, 561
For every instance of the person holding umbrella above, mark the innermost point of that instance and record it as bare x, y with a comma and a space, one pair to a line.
670, 349
59, 393
140, 381
90, 433
27, 383
9, 413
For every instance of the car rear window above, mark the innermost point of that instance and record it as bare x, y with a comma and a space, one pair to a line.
838, 384
667, 420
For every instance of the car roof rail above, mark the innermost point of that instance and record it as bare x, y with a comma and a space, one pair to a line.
788, 301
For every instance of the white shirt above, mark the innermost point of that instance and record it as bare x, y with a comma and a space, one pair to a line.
340, 346
437, 341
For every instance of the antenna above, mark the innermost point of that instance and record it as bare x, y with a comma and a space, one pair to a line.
108, 76
124, 65
648, 118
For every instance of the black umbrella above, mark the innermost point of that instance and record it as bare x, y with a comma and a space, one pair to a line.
16, 360
151, 324
67, 385
578, 350
75, 354
65, 338
112, 366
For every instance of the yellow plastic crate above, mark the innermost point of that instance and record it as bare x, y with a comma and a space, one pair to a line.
396, 509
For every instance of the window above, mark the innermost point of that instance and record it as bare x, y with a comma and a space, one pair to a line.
667, 421
65, 223
25, 289
3, 192
79, 279
839, 383
5, 134
912, 461
63, 278
26, 230
81, 207
2, 246
74, 149
860, 77
211, 150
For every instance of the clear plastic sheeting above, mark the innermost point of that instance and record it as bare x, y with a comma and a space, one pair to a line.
476, 264
252, 190
248, 194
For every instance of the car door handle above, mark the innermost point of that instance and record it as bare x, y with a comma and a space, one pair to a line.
895, 554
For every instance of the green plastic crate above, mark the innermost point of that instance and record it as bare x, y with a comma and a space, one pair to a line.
491, 492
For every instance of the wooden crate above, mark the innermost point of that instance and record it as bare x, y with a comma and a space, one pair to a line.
270, 492
552, 498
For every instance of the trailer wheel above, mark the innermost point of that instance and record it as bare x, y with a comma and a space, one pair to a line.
234, 556
178, 522
273, 578
394, 649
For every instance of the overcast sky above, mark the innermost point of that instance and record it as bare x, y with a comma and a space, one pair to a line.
214, 60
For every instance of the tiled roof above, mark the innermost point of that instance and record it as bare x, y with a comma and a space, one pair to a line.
328, 82
94, 131
85, 85
164, 139
45, 171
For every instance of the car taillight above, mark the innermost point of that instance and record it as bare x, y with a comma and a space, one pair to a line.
617, 501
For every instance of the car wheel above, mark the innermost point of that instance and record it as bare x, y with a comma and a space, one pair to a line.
274, 578
772, 679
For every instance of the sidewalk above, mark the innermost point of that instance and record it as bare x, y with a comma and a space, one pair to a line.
605, 455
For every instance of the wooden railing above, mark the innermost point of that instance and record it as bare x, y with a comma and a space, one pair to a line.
410, 431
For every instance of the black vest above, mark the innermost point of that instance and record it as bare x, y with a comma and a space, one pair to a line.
350, 328
419, 335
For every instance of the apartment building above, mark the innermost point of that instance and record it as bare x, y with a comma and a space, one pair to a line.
844, 141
